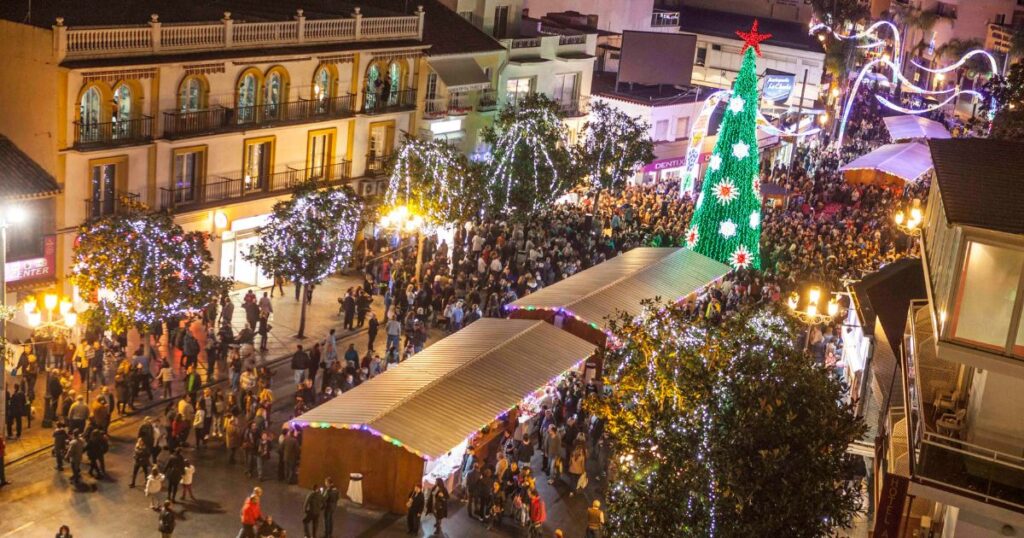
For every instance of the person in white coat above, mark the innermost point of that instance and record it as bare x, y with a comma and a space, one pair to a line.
186, 480
154, 483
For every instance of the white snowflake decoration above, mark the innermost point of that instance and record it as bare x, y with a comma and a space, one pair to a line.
727, 228
692, 235
740, 150
755, 219
740, 258
726, 191
716, 162
736, 104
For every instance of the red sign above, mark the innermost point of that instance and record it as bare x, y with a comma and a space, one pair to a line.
34, 268
891, 499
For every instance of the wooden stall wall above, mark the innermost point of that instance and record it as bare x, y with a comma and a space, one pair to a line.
389, 472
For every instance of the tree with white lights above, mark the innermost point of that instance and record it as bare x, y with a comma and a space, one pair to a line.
724, 430
309, 236
612, 147
726, 224
436, 180
529, 165
143, 269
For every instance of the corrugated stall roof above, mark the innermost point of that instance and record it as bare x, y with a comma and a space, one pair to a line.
433, 401
622, 282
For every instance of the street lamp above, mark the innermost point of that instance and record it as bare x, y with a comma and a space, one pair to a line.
11, 214
401, 220
909, 221
57, 320
810, 313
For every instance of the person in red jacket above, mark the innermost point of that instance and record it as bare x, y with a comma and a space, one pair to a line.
251, 514
538, 513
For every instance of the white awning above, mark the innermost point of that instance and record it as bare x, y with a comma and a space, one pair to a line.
908, 127
908, 161
460, 74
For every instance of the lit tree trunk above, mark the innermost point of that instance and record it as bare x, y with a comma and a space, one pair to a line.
302, 312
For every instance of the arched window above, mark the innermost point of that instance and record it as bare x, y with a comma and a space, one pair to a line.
323, 88
192, 94
374, 86
275, 92
122, 114
89, 114
394, 82
248, 90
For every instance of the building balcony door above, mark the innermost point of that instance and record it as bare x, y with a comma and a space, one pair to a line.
258, 165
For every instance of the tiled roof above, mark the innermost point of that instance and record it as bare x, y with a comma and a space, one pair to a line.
981, 182
21, 178
787, 34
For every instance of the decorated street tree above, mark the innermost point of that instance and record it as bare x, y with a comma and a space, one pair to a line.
726, 225
143, 269
724, 430
434, 179
309, 236
529, 165
612, 147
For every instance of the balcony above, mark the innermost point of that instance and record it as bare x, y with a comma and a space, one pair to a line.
400, 101
221, 190
118, 204
937, 427
114, 133
664, 19
576, 107
435, 109
488, 101
178, 124
376, 165
524, 42
156, 38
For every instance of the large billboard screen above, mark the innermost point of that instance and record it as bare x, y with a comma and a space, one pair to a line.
657, 58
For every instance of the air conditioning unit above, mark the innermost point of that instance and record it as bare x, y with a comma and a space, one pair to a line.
372, 187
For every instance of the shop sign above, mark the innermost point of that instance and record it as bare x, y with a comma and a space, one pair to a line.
664, 164
891, 499
34, 268
777, 88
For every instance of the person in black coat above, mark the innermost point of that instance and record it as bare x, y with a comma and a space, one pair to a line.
173, 471
331, 496
54, 390
415, 504
60, 444
17, 408
348, 305
312, 509
373, 326
166, 520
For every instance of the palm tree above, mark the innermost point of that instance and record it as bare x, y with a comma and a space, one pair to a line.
920, 20
954, 49
1016, 48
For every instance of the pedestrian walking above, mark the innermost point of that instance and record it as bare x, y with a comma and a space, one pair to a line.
595, 520
76, 448
60, 444
439, 504
174, 469
3, 456
263, 451
64, 532
331, 497
414, 509
141, 460
154, 483
538, 513
17, 409
372, 328
187, 476
311, 510
251, 515
300, 363
166, 520
166, 377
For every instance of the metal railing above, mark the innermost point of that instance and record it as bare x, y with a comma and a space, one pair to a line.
113, 133
181, 124
577, 39
575, 107
119, 203
400, 100
525, 42
157, 38
435, 108
459, 104
488, 100
303, 110
376, 165
661, 19
238, 186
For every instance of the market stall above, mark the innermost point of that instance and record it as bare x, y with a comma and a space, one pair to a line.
907, 127
891, 165
583, 303
414, 422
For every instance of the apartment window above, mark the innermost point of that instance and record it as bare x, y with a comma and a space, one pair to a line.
123, 111
192, 93
245, 99
987, 295
661, 130
702, 56
518, 88
717, 48
468, 15
564, 91
500, 22
105, 178
188, 174
320, 154
431, 86
258, 163
682, 127
1000, 18
275, 92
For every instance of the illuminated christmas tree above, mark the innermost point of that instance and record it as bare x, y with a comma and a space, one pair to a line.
726, 225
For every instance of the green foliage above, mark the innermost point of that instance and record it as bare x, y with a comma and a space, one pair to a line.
152, 269
530, 164
612, 147
309, 236
1008, 93
726, 224
836, 12
724, 430
435, 180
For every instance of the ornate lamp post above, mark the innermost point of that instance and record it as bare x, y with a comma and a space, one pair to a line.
810, 313
401, 220
909, 221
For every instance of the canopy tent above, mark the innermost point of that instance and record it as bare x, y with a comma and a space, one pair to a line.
391, 428
909, 127
618, 285
889, 165
460, 74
